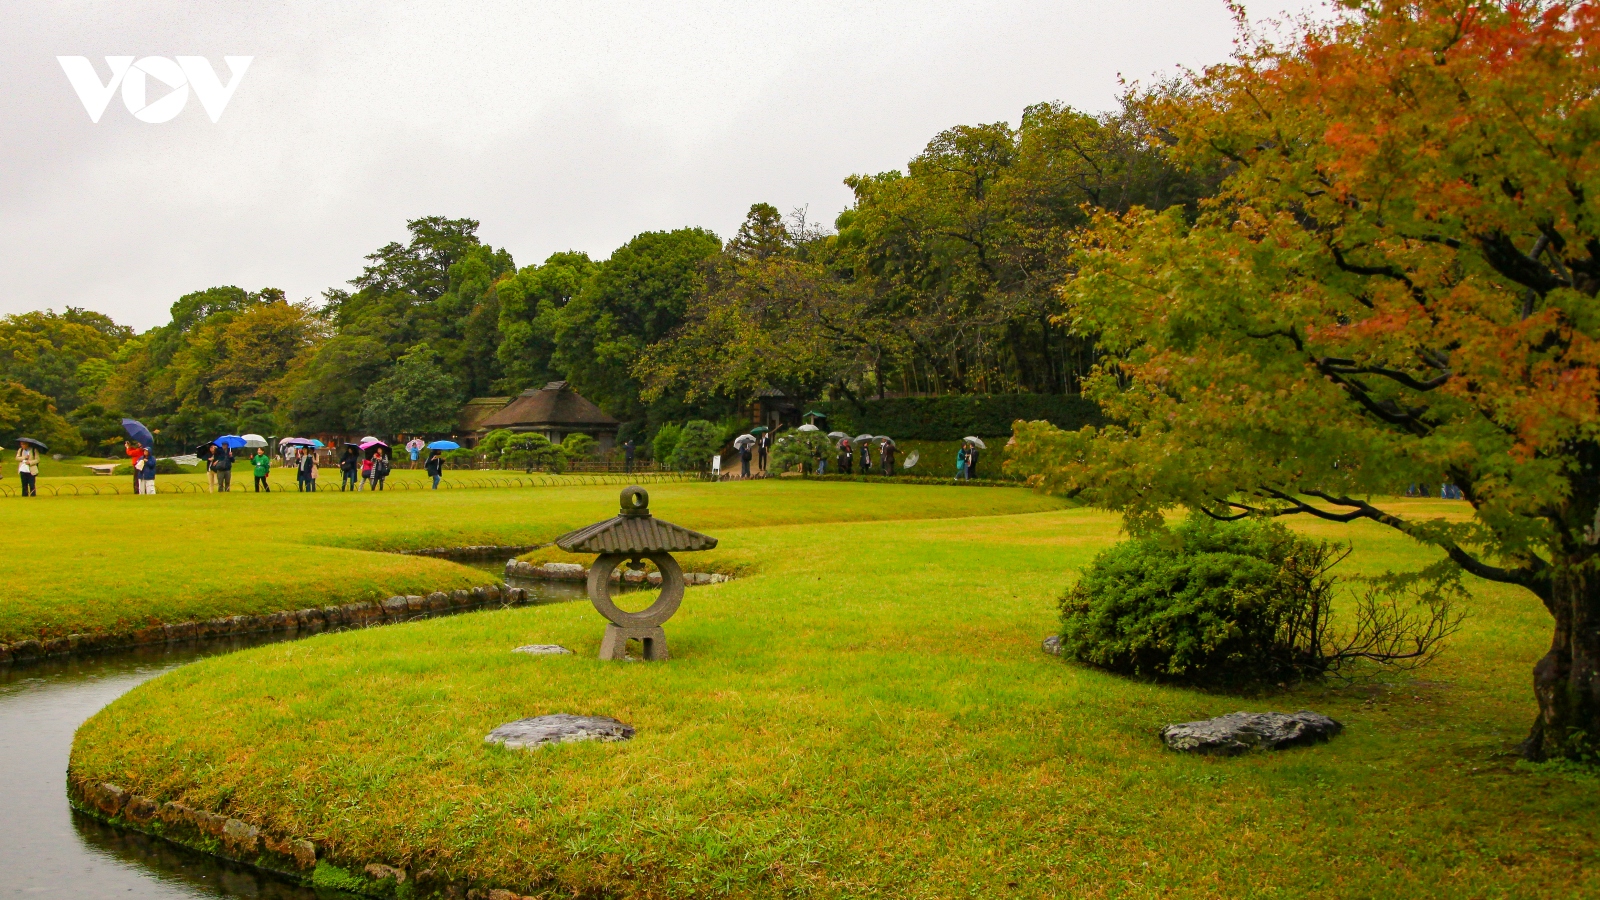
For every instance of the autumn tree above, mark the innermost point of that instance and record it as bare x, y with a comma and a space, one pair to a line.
1396, 284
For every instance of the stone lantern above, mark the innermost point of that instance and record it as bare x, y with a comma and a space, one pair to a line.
632, 537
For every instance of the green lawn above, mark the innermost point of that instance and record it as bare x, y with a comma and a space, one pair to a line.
114, 563
866, 713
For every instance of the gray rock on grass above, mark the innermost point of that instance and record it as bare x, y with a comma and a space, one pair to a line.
1051, 645
560, 728
1241, 732
543, 650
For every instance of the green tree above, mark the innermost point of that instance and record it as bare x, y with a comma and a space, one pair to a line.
329, 392
530, 306
25, 413
417, 397
632, 300
697, 443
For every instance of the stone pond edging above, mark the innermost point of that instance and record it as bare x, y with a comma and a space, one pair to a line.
311, 620
474, 551
294, 858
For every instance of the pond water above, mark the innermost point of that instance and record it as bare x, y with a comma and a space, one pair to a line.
48, 850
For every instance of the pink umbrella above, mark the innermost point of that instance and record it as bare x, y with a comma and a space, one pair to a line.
372, 442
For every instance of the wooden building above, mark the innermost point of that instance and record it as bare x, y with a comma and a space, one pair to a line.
554, 411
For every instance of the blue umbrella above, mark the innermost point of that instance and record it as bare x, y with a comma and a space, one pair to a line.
444, 445
231, 441
140, 434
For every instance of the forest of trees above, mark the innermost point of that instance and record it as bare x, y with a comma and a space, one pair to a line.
940, 279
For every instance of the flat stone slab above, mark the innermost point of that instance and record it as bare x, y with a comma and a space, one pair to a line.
560, 728
543, 650
1241, 732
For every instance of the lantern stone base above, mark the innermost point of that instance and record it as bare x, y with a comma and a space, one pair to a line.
615, 644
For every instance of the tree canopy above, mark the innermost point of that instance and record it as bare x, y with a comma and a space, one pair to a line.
1394, 285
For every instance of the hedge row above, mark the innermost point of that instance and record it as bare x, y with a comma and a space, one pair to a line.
952, 418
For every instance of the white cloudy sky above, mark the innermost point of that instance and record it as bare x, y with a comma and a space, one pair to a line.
558, 125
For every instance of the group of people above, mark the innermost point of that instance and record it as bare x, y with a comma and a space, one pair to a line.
358, 471
848, 463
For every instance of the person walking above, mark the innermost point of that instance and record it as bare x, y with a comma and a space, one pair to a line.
222, 464
972, 462
744, 459
844, 456
435, 465
380, 469
866, 458
627, 458
961, 463
886, 454
260, 465
28, 469
761, 450
366, 471
301, 465
316, 469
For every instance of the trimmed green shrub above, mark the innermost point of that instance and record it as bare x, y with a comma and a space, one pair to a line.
952, 418
1213, 603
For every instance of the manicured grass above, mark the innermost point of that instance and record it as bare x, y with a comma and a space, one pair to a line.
114, 563
867, 714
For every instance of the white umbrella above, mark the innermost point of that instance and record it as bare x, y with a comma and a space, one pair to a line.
369, 439
808, 427
972, 440
910, 460
860, 437
838, 435
744, 440
254, 440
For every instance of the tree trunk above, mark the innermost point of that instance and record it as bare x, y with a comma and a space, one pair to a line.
1567, 680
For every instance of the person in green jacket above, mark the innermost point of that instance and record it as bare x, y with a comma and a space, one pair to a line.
262, 464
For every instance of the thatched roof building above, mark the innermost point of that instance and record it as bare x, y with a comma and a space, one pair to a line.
554, 411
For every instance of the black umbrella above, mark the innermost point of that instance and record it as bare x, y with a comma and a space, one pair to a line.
34, 443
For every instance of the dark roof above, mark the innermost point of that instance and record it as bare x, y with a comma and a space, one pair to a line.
555, 404
634, 534
634, 531
476, 410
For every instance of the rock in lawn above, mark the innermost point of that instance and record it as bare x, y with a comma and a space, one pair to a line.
1240, 732
1051, 645
561, 728
542, 650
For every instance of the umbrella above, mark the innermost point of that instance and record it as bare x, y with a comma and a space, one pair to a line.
443, 445
33, 443
418, 444
295, 442
231, 441
972, 440
368, 443
838, 435
316, 443
759, 428
254, 440
744, 440
860, 437
138, 432
910, 460
808, 427
885, 439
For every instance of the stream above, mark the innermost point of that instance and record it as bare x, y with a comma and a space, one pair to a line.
47, 849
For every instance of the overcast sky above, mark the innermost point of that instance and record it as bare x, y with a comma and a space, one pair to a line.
557, 125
